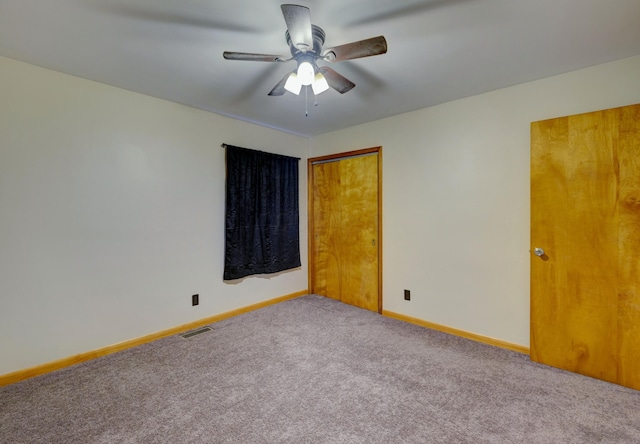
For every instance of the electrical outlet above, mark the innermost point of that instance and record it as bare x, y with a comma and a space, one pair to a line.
407, 295
195, 299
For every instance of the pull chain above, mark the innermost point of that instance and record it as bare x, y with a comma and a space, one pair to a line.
306, 100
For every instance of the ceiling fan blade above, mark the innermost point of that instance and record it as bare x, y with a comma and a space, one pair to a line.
337, 81
279, 90
298, 19
229, 55
356, 50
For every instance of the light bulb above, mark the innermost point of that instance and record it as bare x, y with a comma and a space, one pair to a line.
305, 73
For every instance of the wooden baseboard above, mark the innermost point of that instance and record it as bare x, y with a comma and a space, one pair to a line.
454, 331
20, 375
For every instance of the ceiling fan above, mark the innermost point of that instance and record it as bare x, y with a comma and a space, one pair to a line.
305, 42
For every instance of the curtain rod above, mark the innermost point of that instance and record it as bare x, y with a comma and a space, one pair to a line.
224, 145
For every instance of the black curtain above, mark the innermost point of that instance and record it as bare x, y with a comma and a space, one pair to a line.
262, 223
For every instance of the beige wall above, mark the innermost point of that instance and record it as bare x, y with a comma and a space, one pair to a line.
111, 215
456, 196
111, 207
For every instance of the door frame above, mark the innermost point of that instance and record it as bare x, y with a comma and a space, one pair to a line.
310, 205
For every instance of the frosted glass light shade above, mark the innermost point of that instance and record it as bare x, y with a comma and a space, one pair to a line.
293, 84
306, 73
319, 84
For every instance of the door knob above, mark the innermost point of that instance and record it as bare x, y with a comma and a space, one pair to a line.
538, 252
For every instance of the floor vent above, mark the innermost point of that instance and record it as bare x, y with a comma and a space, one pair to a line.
195, 332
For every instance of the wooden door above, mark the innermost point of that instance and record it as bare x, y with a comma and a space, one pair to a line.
344, 228
585, 215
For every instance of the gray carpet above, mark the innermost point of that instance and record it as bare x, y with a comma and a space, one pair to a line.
313, 370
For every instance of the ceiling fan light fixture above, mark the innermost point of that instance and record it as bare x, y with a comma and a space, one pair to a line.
319, 84
306, 41
293, 84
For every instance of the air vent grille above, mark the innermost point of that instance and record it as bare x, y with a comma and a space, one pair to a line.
195, 332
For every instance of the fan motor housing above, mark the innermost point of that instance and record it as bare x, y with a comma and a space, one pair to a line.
318, 40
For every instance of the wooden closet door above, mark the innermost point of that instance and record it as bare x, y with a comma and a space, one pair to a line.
585, 215
326, 243
344, 229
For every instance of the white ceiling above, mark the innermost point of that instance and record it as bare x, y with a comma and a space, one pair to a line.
439, 50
